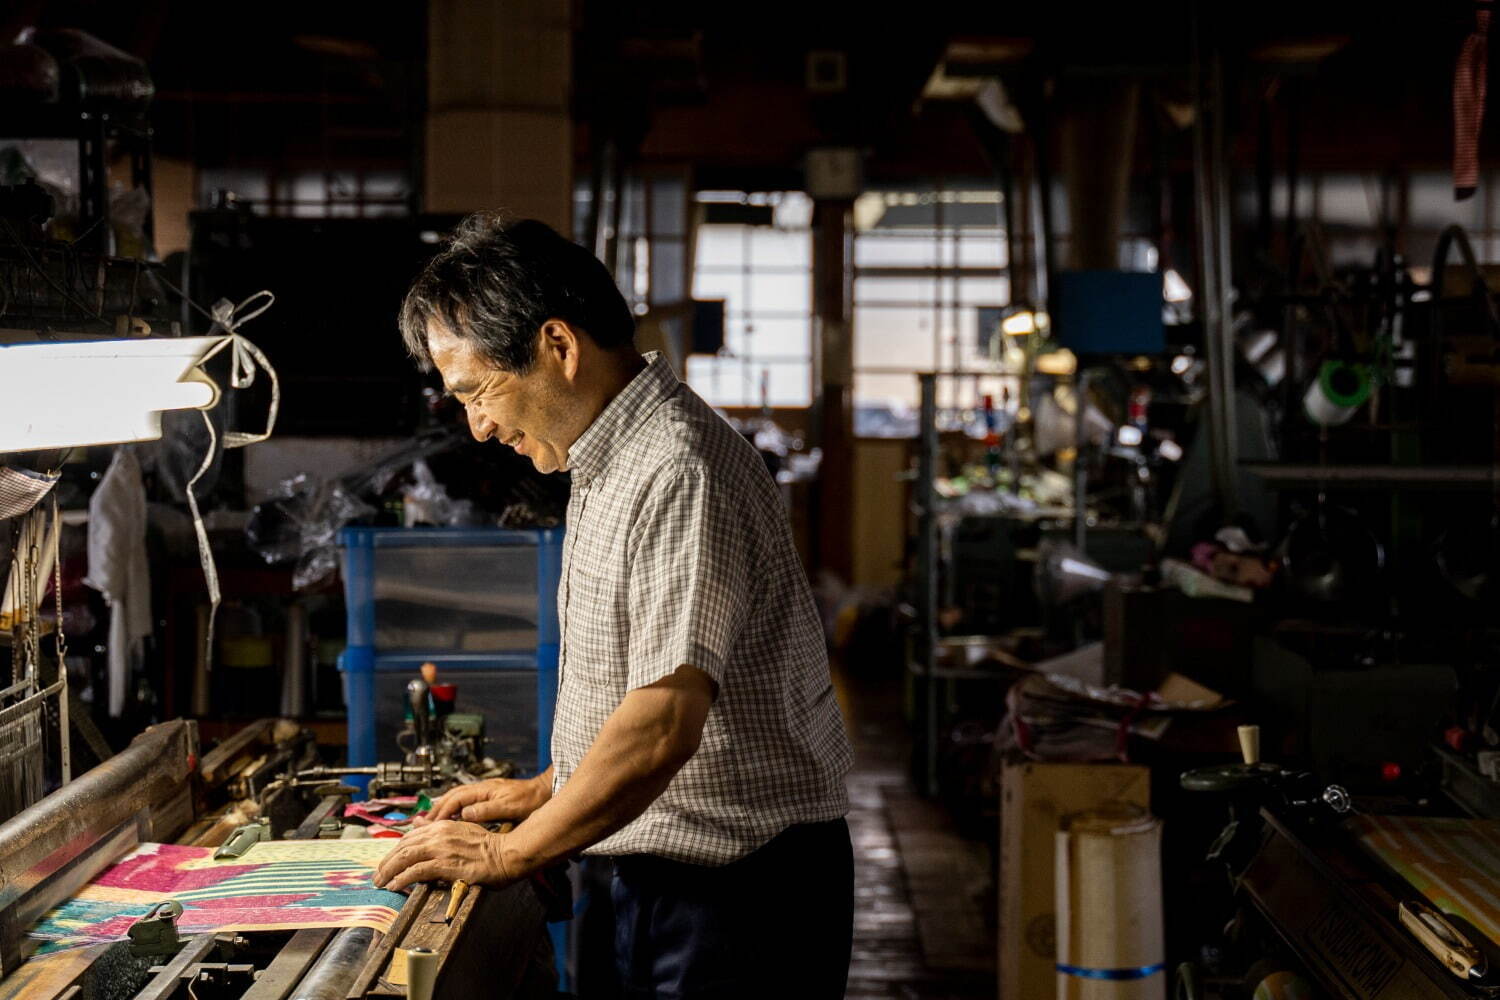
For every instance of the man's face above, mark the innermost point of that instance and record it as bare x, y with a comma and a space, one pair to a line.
531, 413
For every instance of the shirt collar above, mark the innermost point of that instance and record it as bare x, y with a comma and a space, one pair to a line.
591, 453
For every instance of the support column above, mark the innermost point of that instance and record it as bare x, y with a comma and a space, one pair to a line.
833, 374
499, 128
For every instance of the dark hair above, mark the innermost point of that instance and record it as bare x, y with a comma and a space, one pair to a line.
497, 280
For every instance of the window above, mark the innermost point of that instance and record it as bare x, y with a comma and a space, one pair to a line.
930, 263
309, 194
754, 251
1353, 210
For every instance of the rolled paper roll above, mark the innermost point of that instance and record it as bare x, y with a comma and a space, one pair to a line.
1110, 941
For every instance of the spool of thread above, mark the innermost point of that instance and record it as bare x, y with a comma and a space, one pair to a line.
1337, 393
1110, 941
421, 973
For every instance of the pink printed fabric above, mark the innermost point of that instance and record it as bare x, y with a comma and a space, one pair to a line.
297, 885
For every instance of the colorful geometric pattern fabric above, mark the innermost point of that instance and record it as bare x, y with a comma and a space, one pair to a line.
1454, 863
276, 885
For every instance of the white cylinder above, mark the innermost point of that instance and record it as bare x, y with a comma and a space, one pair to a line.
1323, 411
421, 973
1110, 939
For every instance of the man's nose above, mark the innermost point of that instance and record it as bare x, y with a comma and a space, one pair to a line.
481, 426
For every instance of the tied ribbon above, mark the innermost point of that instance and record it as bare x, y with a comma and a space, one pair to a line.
245, 357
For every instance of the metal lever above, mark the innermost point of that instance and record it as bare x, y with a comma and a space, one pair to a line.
155, 933
416, 695
1437, 935
242, 839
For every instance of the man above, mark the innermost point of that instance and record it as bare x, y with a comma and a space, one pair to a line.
697, 740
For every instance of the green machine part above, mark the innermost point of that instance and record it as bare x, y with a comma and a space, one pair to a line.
464, 725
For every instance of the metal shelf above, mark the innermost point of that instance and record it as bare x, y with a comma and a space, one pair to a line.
1377, 477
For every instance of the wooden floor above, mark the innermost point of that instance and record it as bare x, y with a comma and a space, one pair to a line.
920, 928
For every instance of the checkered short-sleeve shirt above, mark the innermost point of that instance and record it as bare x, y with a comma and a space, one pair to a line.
678, 552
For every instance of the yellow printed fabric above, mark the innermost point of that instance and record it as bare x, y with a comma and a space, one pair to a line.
1454, 863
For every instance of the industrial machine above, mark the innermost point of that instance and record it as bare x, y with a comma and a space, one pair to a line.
264, 783
1324, 904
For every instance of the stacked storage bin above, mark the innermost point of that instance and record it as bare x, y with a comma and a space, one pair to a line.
481, 603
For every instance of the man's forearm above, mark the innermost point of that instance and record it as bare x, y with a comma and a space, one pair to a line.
638, 751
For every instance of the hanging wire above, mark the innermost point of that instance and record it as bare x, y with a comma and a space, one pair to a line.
46, 276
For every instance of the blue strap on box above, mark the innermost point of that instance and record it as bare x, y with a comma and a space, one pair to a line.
1139, 972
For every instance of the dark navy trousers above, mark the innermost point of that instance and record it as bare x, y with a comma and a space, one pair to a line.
781, 919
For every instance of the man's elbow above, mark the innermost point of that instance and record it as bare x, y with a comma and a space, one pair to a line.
680, 717
681, 744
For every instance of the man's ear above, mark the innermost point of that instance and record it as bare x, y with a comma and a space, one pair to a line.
560, 343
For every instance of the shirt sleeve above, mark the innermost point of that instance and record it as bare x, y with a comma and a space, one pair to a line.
689, 579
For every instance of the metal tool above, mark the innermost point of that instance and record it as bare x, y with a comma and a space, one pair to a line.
456, 894
390, 777
242, 839
155, 934
1457, 953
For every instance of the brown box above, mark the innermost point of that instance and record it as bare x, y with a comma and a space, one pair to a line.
1034, 798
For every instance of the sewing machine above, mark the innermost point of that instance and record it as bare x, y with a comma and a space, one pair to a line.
160, 789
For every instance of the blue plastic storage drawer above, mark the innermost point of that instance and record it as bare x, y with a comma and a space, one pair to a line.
481, 603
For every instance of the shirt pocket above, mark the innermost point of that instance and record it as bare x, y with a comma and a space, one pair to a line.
598, 630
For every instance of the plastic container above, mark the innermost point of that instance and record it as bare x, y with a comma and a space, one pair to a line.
481, 603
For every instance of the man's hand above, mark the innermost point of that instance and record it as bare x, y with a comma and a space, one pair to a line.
488, 801
448, 850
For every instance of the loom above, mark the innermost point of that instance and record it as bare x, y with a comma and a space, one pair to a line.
1369, 905
159, 789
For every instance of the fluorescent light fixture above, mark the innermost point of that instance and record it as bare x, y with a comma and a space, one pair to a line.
1174, 289
62, 395
1129, 435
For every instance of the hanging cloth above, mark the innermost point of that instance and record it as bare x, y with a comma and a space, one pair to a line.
1469, 79
118, 568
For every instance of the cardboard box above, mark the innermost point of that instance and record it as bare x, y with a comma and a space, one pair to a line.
1034, 798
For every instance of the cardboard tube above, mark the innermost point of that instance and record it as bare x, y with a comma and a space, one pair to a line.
1110, 940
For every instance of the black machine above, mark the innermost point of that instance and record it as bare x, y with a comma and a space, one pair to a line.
1314, 912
